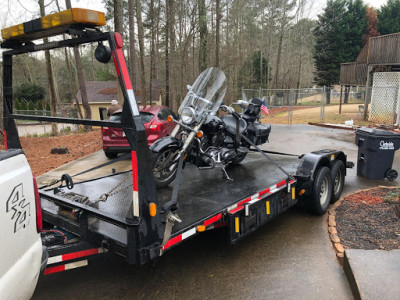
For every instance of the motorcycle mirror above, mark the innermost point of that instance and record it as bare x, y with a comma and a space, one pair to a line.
189, 87
102, 53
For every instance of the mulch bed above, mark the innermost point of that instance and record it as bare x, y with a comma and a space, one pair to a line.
370, 219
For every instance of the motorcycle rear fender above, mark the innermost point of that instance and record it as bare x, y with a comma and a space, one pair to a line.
164, 142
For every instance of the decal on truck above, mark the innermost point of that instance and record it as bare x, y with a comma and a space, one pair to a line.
19, 207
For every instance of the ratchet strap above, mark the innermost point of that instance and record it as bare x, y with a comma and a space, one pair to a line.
123, 157
171, 216
265, 155
274, 152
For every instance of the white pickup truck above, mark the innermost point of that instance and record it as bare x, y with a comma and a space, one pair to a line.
22, 256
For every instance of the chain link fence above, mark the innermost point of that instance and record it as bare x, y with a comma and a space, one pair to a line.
315, 105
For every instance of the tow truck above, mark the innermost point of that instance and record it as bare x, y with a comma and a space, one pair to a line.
123, 214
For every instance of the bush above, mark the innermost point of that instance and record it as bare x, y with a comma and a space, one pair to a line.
47, 106
17, 105
31, 106
23, 105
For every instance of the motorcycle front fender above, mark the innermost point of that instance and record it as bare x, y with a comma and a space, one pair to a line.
164, 142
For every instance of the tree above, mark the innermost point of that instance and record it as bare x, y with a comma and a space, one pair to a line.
203, 35
389, 17
372, 24
81, 81
355, 23
329, 41
29, 92
142, 50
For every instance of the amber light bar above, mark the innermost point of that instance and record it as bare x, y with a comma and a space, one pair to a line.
60, 19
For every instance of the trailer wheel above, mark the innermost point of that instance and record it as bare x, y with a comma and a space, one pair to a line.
322, 191
337, 172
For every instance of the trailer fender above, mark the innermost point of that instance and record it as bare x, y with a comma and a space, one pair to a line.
311, 162
167, 141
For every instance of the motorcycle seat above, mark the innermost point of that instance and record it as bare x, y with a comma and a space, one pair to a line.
253, 110
230, 123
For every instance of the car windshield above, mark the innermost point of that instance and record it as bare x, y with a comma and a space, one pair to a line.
146, 117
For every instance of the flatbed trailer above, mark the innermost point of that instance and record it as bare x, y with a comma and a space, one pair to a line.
137, 222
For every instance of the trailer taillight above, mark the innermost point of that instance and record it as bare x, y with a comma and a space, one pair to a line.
104, 129
39, 222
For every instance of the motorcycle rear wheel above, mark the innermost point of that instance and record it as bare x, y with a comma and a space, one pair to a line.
166, 175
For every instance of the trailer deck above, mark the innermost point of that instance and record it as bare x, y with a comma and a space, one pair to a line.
202, 193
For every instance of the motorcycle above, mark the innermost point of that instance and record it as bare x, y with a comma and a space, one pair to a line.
203, 138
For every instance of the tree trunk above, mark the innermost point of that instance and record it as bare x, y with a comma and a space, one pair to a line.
50, 78
172, 61
203, 35
167, 62
217, 27
152, 51
119, 17
81, 81
141, 47
132, 49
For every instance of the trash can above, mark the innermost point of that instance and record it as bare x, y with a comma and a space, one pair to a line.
376, 149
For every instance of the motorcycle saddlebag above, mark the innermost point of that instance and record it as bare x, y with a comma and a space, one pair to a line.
258, 133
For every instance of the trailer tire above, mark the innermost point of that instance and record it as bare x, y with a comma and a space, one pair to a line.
322, 191
337, 171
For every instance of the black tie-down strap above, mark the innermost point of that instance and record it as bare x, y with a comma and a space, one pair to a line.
70, 182
265, 155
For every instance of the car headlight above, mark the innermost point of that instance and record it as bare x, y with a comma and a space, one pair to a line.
188, 115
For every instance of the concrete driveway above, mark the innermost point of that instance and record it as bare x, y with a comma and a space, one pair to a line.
289, 258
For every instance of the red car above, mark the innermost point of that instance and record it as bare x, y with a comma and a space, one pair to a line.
154, 120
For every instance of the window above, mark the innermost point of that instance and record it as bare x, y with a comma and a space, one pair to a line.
146, 117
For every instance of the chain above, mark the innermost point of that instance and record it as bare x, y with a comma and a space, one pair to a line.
116, 189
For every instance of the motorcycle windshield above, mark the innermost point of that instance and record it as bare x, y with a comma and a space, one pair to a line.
206, 94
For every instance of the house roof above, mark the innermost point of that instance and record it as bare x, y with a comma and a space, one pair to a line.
105, 91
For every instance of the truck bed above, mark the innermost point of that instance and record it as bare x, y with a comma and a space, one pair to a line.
202, 193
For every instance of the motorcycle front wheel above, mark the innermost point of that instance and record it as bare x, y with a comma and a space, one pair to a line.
164, 167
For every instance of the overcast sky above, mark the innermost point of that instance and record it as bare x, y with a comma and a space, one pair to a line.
17, 11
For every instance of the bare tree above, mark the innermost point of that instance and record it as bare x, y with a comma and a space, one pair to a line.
203, 35
50, 78
81, 80
217, 26
142, 50
132, 49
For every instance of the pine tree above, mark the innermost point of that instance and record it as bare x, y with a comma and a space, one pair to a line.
329, 40
389, 17
355, 24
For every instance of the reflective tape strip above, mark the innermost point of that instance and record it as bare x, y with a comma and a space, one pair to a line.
191, 232
73, 255
237, 224
135, 186
258, 196
188, 233
70, 266
267, 208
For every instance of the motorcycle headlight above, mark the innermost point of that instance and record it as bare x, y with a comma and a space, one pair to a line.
188, 115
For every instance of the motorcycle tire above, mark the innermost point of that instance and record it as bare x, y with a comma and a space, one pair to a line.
165, 176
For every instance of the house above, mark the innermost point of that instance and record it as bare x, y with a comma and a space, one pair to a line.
100, 94
377, 68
